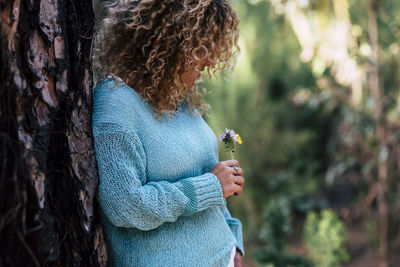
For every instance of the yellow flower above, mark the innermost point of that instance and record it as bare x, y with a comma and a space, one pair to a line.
239, 139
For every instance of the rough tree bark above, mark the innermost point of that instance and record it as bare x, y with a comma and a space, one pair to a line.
381, 132
48, 173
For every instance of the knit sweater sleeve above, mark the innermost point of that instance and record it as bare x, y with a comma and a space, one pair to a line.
125, 196
236, 228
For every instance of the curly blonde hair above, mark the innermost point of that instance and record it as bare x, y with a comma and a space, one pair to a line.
149, 44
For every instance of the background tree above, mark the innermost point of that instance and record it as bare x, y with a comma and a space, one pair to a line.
48, 173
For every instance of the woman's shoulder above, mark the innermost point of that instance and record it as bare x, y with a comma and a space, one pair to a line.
116, 102
115, 89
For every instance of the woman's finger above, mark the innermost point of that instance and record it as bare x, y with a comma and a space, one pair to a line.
239, 171
232, 162
238, 190
239, 180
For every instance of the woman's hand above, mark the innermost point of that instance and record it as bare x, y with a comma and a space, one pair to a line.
238, 259
230, 180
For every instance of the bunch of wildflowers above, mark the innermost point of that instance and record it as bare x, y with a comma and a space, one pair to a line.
230, 139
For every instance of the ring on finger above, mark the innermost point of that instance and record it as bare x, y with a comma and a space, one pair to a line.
236, 169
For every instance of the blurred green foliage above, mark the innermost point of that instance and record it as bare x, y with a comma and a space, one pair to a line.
325, 236
277, 230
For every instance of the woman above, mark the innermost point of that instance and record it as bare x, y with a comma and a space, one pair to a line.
162, 190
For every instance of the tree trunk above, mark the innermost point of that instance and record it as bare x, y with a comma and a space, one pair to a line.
380, 121
48, 173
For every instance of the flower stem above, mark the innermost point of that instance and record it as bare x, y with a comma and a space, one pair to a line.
231, 154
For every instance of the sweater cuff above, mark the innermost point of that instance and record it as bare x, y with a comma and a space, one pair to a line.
236, 229
241, 249
203, 191
239, 240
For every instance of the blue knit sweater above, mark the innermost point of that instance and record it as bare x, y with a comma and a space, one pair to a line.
159, 203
